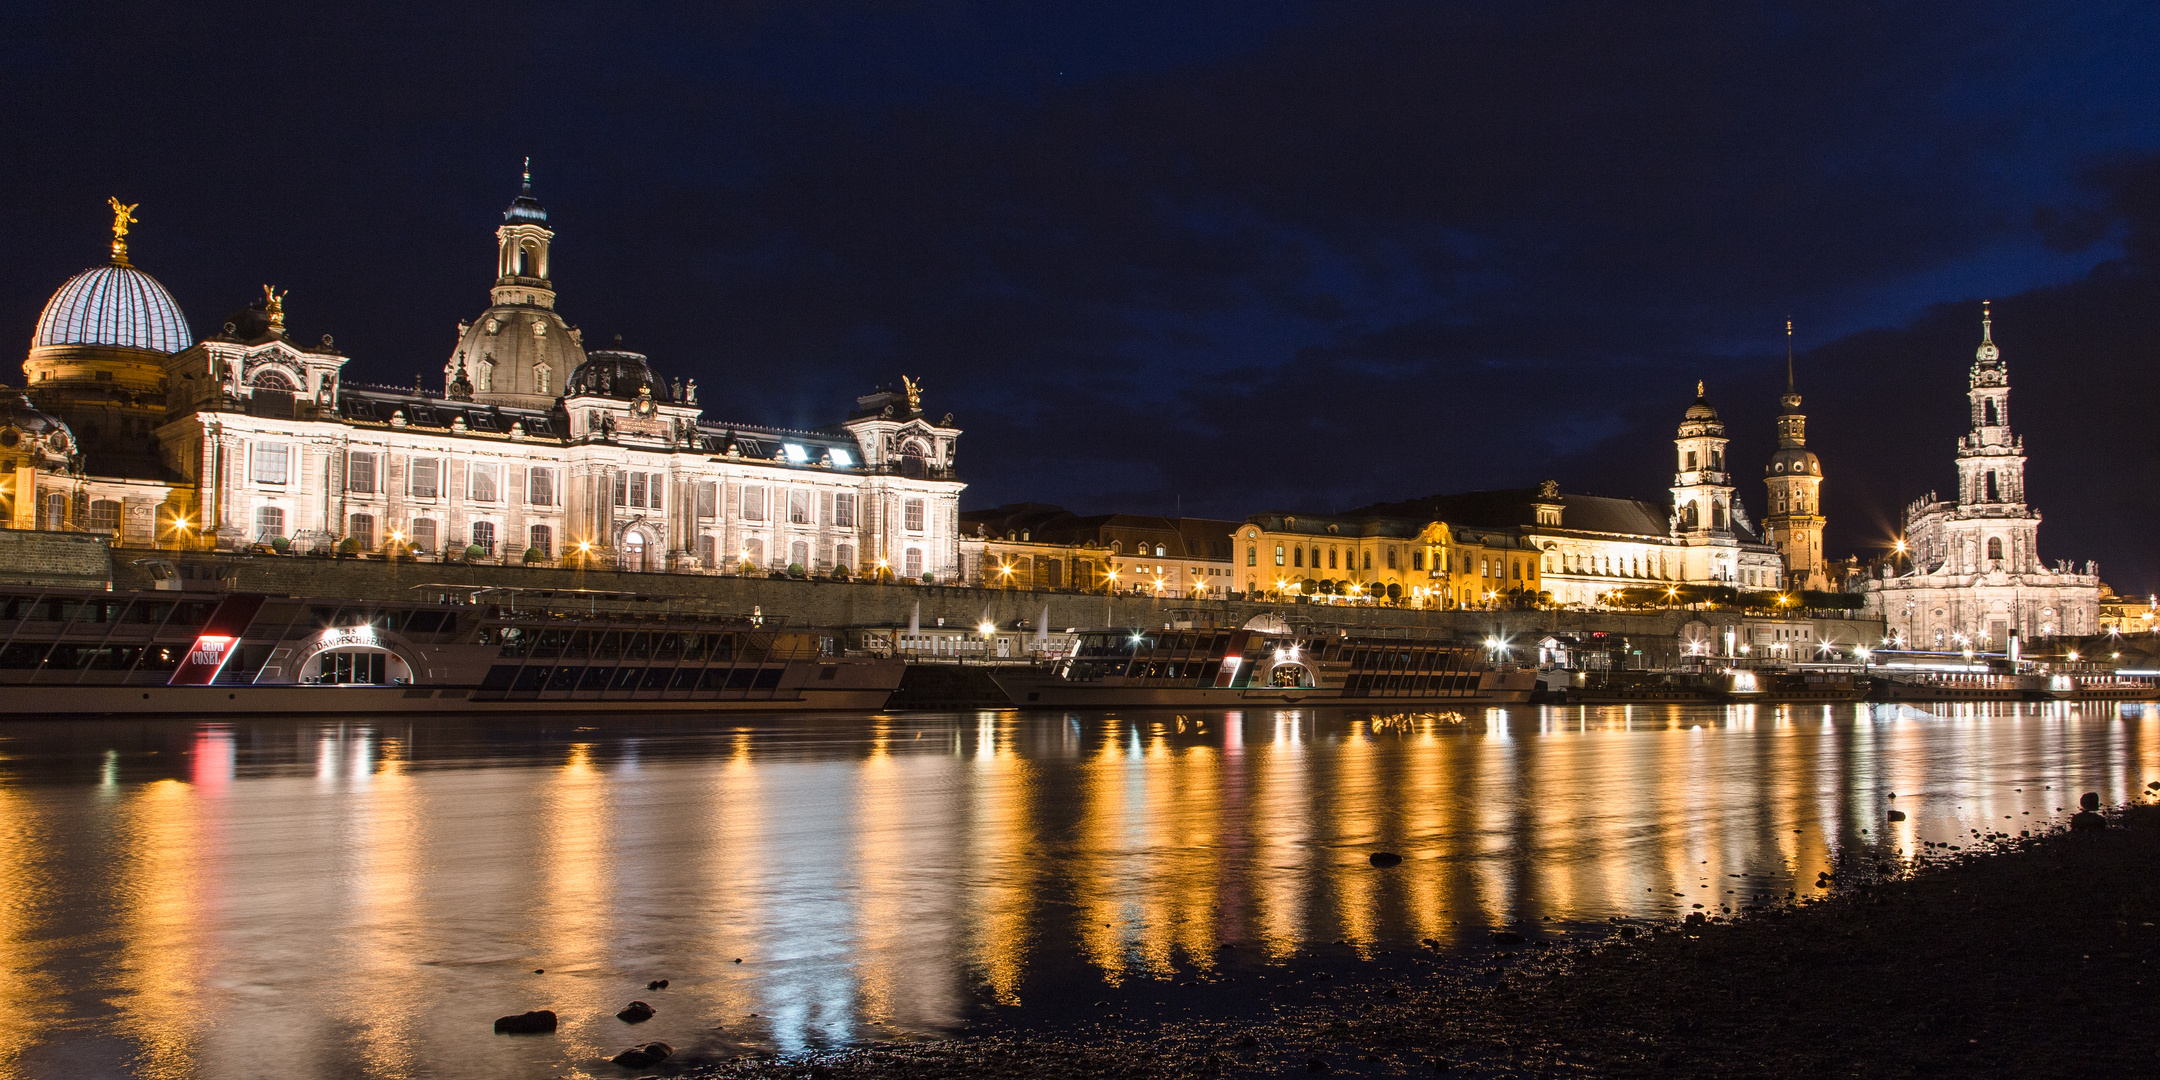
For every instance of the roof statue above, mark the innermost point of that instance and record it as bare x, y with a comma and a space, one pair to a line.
914, 394
274, 306
1698, 388
123, 216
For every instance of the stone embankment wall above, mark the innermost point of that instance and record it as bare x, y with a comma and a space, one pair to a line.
33, 557
836, 604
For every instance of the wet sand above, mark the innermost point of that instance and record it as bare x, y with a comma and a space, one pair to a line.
2008, 957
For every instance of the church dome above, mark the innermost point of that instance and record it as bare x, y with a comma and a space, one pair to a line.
1701, 410
113, 305
1789, 460
615, 373
526, 208
47, 438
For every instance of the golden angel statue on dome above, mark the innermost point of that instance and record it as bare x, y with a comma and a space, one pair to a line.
123, 216
914, 393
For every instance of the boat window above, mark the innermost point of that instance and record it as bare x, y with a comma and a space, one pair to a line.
596, 678
627, 678
668, 647
23, 654
637, 646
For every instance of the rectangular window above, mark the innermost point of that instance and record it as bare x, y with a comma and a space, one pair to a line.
1391, 560
1252, 556
482, 487
426, 477
269, 522
1297, 557
363, 530
913, 563
1417, 560
1368, 560
753, 503
543, 541
1278, 554
708, 501
483, 536
843, 511
1331, 559
655, 488
622, 489
423, 534
637, 490
911, 515
540, 487
360, 473
753, 552
844, 555
798, 506
708, 550
273, 463
1691, 461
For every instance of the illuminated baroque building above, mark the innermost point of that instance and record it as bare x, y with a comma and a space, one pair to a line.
533, 448
1972, 572
1480, 547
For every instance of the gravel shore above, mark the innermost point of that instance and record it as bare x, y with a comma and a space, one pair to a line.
2012, 957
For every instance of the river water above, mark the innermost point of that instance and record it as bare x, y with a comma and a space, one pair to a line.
362, 899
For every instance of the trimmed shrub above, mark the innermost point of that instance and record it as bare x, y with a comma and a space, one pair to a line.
349, 546
795, 570
280, 544
534, 555
475, 553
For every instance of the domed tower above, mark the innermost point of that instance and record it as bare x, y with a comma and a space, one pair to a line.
519, 352
40, 467
1702, 489
98, 358
1794, 477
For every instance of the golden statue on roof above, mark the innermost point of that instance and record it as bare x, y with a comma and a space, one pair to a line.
914, 394
274, 306
123, 216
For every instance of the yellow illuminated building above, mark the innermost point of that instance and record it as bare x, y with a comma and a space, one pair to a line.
1341, 559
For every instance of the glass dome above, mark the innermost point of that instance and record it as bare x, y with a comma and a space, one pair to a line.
113, 305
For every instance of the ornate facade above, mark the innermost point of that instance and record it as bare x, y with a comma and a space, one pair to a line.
532, 449
1971, 573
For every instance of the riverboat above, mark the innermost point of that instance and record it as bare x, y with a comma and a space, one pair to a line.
1269, 661
2085, 680
1710, 682
455, 650
1899, 675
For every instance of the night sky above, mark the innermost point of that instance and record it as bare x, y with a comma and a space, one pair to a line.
1225, 257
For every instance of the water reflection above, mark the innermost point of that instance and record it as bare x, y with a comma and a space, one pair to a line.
362, 899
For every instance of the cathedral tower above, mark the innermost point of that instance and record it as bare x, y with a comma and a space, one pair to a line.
1794, 477
1990, 460
520, 352
1702, 489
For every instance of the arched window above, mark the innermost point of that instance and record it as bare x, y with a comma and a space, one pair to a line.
913, 563
1989, 415
1991, 493
1252, 556
1717, 514
1297, 556
483, 536
486, 382
363, 530
708, 550
1688, 517
1278, 554
540, 378
1995, 548
1159, 551
56, 511
272, 380
753, 553
634, 551
543, 541
799, 554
